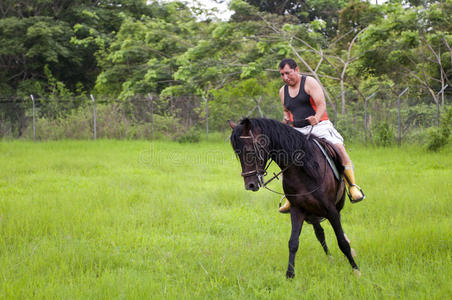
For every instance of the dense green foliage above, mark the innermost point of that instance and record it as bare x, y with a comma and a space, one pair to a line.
197, 67
440, 136
140, 220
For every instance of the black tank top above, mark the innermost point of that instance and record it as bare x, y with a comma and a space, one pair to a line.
299, 106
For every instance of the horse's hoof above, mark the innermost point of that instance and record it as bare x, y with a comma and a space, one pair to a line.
330, 258
353, 252
290, 274
357, 273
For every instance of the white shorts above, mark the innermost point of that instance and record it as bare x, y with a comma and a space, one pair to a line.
323, 130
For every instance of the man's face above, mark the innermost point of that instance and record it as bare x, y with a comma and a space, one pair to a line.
289, 75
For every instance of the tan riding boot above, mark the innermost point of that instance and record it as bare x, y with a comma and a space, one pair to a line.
354, 192
285, 208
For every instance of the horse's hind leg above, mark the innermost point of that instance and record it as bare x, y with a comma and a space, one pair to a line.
351, 249
320, 234
335, 222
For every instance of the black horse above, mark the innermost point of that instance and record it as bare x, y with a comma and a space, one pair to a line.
308, 182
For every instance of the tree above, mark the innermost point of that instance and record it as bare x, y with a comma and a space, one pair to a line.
410, 44
142, 56
64, 35
305, 10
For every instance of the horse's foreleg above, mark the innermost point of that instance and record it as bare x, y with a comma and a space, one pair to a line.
320, 234
297, 218
335, 222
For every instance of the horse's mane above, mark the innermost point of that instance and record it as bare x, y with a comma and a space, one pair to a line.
283, 138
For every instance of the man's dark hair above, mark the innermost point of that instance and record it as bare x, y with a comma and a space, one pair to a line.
288, 61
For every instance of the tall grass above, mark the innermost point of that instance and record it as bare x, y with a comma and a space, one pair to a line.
134, 219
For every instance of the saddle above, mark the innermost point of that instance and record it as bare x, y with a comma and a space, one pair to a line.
334, 161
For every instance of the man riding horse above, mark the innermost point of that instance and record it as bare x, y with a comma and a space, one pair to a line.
305, 109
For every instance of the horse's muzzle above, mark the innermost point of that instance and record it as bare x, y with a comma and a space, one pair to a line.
253, 180
252, 186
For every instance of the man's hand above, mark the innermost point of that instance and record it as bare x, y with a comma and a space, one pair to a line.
313, 120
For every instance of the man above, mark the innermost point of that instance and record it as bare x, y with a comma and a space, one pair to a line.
304, 104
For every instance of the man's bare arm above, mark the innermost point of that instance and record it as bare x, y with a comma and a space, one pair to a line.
286, 117
314, 89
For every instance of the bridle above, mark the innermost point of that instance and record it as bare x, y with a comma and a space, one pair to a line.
258, 172
262, 173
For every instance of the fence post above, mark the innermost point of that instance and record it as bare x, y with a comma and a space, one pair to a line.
207, 116
365, 121
399, 140
34, 118
95, 117
437, 104
152, 115
173, 131
365, 116
335, 111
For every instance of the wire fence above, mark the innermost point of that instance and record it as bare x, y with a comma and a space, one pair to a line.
379, 118
96, 117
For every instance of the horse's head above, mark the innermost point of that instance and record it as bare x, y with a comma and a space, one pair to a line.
252, 148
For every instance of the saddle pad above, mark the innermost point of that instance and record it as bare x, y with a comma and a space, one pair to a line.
330, 162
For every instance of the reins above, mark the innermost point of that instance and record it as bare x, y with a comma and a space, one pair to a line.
293, 195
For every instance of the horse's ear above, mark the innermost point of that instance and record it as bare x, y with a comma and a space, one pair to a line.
232, 124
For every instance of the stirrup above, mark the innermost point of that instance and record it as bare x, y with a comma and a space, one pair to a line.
350, 196
283, 212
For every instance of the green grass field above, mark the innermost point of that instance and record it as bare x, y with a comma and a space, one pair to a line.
134, 219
